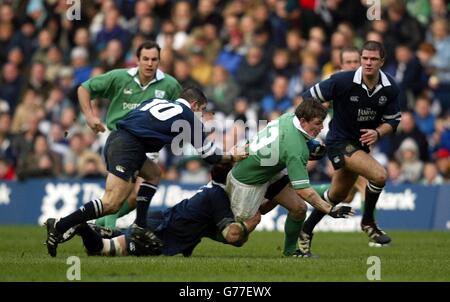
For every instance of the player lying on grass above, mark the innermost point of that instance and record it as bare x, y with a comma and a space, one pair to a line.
181, 227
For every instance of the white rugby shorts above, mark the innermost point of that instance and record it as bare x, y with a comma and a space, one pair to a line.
245, 200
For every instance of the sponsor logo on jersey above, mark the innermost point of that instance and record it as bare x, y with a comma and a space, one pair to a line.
129, 106
127, 91
120, 169
365, 115
354, 98
382, 100
160, 93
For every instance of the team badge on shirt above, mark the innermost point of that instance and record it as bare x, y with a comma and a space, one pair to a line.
127, 91
160, 93
382, 100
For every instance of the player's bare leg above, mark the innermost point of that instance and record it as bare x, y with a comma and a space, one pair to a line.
116, 191
365, 165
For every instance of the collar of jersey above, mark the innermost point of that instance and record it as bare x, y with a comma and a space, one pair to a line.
183, 101
134, 71
218, 184
357, 79
297, 125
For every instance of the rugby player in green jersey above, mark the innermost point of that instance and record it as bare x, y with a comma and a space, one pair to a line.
126, 89
282, 144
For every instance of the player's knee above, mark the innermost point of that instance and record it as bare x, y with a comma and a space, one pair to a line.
151, 172
299, 210
380, 178
110, 206
154, 178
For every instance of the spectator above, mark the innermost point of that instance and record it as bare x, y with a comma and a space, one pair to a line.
37, 80
251, 75
82, 69
441, 61
6, 148
232, 53
281, 65
112, 28
394, 172
6, 170
182, 72
408, 157
431, 175
425, 120
408, 73
90, 165
407, 129
193, 171
11, 85
278, 99
40, 161
443, 163
112, 57
223, 90
201, 70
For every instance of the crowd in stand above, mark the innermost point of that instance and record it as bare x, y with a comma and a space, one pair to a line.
251, 57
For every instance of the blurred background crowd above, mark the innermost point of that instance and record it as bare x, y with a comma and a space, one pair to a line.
251, 57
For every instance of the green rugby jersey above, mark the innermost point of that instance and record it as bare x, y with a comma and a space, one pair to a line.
123, 89
278, 146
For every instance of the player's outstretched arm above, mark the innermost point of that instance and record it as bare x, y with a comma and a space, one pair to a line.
316, 201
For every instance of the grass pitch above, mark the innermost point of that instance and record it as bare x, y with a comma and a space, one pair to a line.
413, 256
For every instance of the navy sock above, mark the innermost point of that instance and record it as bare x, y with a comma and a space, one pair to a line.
91, 239
373, 192
145, 195
91, 210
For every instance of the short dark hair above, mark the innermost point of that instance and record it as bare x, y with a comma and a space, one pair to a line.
347, 49
220, 171
311, 108
192, 94
374, 46
148, 45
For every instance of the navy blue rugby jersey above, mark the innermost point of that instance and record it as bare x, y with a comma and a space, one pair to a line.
159, 122
354, 106
203, 215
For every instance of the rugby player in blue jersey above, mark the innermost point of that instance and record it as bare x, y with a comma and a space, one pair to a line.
148, 128
366, 108
207, 214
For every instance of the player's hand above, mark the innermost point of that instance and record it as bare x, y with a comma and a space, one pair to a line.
316, 149
252, 222
368, 137
95, 124
341, 212
239, 152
